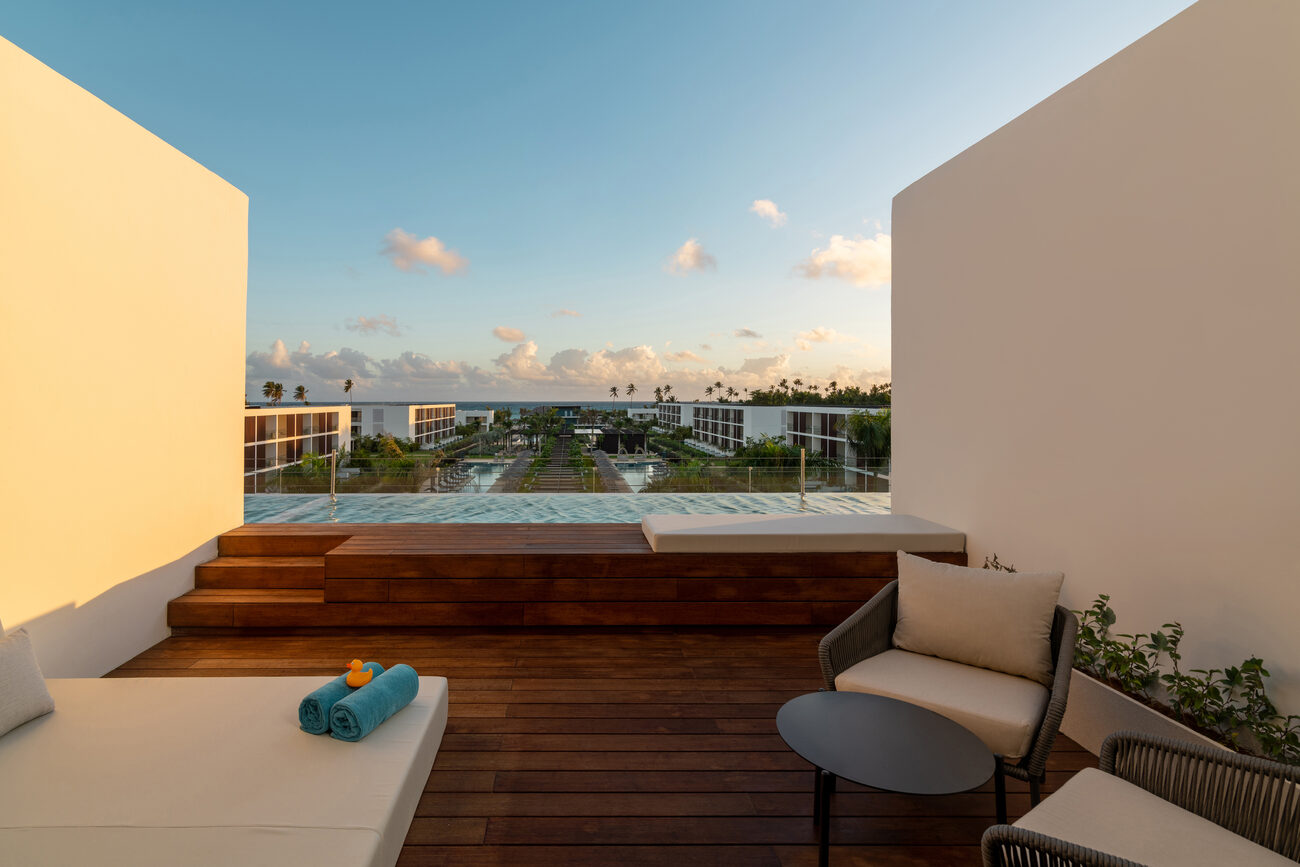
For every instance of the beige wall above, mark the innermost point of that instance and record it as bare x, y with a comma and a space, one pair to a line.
122, 289
1097, 337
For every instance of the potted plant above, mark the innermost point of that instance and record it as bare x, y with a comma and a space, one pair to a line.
1135, 681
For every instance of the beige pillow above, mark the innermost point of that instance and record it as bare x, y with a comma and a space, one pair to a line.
23, 695
996, 620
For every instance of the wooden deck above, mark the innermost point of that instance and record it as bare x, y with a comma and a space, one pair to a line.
326, 576
621, 747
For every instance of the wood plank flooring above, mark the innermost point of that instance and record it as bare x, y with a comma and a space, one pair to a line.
621, 747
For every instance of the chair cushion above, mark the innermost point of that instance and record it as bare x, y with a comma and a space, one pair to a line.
997, 620
1103, 812
23, 695
1003, 711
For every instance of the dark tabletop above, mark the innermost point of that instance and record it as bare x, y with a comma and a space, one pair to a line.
884, 743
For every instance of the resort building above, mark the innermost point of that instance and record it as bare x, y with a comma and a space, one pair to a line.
821, 429
483, 418
279, 436
426, 423
643, 413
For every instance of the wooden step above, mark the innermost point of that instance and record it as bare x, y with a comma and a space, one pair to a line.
268, 573
206, 609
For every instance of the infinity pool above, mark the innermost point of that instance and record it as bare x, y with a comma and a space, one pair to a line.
539, 508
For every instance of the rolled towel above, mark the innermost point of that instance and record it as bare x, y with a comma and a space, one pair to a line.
357, 715
314, 710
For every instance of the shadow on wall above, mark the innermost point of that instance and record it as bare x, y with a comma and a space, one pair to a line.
95, 637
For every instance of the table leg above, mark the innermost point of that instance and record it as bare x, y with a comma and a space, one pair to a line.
817, 796
824, 842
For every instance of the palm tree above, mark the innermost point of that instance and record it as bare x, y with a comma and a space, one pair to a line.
731, 393
613, 395
347, 389
300, 393
869, 434
798, 383
659, 394
708, 391
268, 390
668, 393
631, 390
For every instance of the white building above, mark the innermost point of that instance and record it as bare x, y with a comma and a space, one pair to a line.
643, 413
426, 423
726, 426
821, 429
278, 436
484, 418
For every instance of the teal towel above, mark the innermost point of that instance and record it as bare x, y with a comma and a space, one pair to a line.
357, 715
314, 710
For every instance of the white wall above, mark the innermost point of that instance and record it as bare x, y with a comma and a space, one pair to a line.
1097, 337
122, 288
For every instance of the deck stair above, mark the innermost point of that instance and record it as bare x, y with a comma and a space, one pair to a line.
331, 576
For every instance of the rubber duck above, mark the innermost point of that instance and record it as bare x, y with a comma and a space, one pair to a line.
357, 676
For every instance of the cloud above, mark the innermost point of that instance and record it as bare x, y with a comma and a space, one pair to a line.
685, 355
862, 261
706, 347
746, 332
558, 313
767, 209
408, 253
509, 335
578, 367
691, 257
323, 373
374, 324
805, 339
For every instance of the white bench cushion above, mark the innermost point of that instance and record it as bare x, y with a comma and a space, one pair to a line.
210, 771
783, 534
1002, 710
1103, 812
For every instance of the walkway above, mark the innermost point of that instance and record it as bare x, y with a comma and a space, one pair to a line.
557, 476
508, 481
610, 477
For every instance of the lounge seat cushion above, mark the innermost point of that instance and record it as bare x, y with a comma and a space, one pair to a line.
1105, 813
210, 771
997, 620
783, 534
1002, 710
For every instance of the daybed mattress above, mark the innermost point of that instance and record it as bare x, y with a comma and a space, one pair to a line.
780, 534
209, 771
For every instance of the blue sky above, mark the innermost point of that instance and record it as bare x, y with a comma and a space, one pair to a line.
598, 158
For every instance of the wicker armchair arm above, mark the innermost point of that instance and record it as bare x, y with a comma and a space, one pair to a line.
1009, 846
1064, 629
865, 633
1252, 797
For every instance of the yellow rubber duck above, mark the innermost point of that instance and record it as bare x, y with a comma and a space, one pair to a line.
356, 675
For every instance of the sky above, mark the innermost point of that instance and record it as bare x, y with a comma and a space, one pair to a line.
530, 200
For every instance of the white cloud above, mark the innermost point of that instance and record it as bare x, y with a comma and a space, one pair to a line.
691, 257
805, 339
374, 324
558, 313
746, 332
767, 209
862, 261
408, 253
706, 347
685, 355
509, 335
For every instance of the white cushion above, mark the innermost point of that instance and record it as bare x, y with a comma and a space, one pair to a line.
210, 771
778, 534
1002, 710
997, 620
1103, 812
23, 695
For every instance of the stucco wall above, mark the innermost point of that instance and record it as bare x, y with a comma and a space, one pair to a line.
122, 289
1096, 361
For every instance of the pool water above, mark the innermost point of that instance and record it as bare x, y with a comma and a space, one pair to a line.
540, 508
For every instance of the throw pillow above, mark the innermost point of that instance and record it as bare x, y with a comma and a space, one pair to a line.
23, 695
996, 620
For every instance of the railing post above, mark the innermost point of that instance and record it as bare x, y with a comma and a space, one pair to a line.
803, 493
334, 461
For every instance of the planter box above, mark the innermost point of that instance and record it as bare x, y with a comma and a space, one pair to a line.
1095, 710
